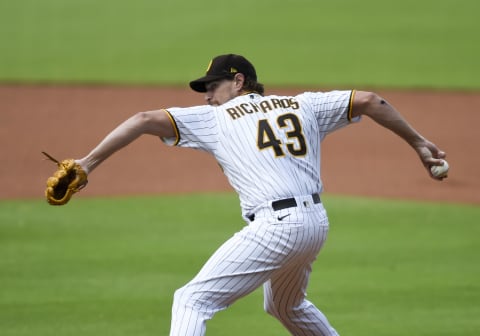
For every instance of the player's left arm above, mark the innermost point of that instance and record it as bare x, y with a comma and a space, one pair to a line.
156, 123
379, 110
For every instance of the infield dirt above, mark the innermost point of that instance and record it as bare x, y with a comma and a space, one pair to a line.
362, 159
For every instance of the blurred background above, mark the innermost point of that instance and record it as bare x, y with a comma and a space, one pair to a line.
402, 255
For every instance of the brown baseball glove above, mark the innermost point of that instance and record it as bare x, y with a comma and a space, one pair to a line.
67, 180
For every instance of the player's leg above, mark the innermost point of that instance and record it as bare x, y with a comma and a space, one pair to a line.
285, 294
238, 267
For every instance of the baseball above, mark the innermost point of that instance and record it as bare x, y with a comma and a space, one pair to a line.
440, 171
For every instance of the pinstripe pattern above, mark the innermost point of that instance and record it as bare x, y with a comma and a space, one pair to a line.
278, 254
269, 149
234, 143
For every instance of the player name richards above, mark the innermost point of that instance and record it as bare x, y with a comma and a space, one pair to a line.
265, 106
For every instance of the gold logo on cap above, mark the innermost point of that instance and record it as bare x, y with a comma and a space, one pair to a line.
233, 70
209, 65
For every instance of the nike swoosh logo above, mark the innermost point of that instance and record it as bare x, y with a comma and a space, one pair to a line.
283, 217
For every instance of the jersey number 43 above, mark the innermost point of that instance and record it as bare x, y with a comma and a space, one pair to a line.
295, 145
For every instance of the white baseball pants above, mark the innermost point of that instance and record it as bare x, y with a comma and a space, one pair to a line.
277, 250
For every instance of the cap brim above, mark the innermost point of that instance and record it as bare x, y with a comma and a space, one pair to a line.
199, 85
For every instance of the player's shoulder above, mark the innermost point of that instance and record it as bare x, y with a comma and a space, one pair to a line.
325, 96
299, 96
198, 110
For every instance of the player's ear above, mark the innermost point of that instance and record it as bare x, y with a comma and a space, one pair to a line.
239, 80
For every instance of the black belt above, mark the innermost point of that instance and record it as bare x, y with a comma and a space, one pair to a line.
287, 203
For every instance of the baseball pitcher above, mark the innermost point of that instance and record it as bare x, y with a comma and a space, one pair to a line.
269, 149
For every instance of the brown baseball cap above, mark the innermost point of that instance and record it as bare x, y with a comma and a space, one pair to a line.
224, 66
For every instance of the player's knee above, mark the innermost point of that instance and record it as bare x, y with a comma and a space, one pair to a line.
283, 311
182, 297
188, 298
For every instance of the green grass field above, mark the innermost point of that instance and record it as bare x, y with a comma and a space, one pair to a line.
110, 266
371, 43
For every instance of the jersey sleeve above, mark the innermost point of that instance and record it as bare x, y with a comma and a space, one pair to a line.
332, 110
195, 127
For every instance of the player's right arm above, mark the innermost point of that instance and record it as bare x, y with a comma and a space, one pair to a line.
156, 123
384, 114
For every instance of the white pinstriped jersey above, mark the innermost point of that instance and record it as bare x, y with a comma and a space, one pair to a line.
268, 147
